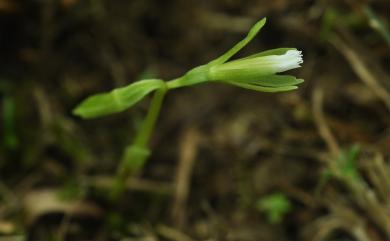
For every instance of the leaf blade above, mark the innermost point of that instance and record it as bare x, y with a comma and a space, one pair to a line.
116, 100
251, 34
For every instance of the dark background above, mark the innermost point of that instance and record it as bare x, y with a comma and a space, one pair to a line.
225, 160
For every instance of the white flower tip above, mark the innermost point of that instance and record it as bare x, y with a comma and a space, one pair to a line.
295, 55
290, 60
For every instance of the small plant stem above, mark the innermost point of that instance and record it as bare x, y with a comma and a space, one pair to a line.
175, 83
149, 123
134, 161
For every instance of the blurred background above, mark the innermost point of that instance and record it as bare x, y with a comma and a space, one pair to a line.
227, 163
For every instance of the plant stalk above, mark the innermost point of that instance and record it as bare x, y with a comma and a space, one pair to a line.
149, 123
137, 153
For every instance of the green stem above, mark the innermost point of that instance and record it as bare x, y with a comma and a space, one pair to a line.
175, 83
137, 153
149, 123
196, 75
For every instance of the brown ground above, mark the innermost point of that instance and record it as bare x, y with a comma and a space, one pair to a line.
224, 159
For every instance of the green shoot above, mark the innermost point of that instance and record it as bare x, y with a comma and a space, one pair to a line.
257, 72
275, 206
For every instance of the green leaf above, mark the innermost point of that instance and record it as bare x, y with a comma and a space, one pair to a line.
261, 88
377, 23
251, 34
347, 163
276, 206
118, 99
274, 81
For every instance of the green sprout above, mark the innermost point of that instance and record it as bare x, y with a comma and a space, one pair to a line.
347, 163
257, 72
275, 206
344, 167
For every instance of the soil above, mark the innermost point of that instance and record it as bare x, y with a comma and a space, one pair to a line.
227, 163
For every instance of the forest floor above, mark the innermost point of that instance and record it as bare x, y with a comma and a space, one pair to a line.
227, 163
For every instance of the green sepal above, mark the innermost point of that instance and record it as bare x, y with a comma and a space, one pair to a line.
277, 51
261, 88
251, 34
274, 81
270, 83
117, 100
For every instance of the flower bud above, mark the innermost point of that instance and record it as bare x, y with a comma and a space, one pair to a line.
252, 68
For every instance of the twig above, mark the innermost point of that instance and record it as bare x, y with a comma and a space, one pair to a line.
64, 226
132, 183
188, 151
322, 126
361, 69
13, 238
172, 234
